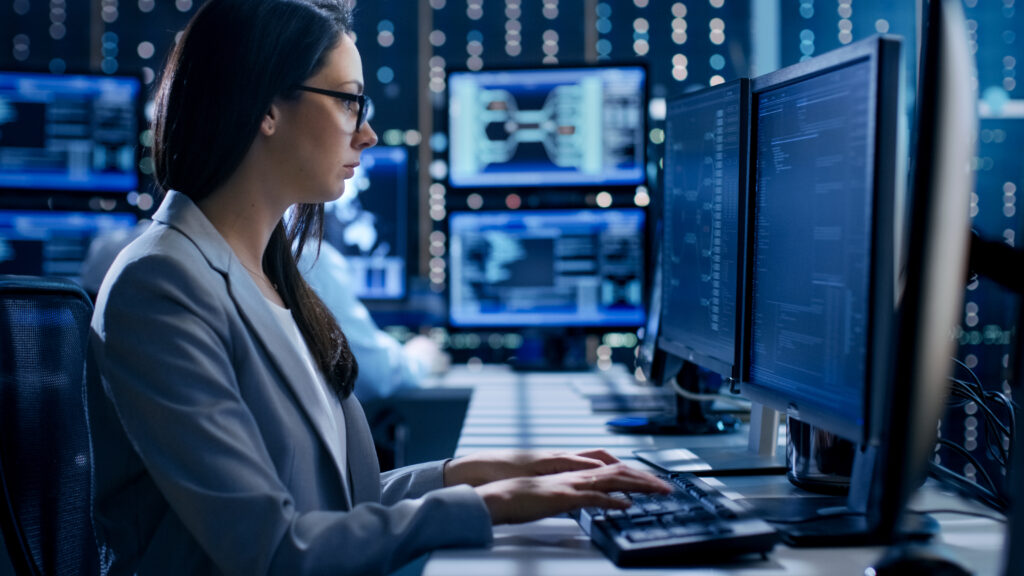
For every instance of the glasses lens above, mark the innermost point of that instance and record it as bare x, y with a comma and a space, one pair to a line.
365, 112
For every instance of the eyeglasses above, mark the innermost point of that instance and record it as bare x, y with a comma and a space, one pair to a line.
365, 111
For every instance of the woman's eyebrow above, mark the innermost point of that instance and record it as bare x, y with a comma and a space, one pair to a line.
358, 84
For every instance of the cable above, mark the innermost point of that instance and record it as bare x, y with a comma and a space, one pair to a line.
1000, 519
968, 487
970, 458
974, 376
707, 397
995, 429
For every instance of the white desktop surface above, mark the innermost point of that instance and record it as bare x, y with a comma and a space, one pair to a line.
545, 410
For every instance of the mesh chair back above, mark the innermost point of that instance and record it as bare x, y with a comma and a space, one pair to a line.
45, 450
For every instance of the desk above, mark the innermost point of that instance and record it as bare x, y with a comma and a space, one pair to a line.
546, 410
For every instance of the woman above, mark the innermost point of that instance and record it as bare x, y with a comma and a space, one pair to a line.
228, 440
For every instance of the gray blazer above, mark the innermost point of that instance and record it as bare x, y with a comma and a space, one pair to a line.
210, 449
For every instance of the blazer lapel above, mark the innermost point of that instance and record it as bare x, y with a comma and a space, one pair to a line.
363, 468
180, 212
255, 310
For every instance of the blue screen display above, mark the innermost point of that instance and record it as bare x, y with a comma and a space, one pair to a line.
550, 127
547, 268
52, 243
368, 224
812, 240
702, 190
68, 132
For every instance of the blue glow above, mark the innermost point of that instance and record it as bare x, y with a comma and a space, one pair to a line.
547, 127
546, 268
35, 145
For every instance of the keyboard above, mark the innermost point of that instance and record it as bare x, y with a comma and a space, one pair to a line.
695, 524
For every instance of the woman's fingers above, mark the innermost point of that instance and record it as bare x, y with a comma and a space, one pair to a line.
600, 500
619, 477
600, 455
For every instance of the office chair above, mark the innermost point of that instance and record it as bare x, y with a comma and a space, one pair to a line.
45, 449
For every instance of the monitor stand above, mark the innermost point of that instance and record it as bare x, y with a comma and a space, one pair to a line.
689, 417
760, 456
828, 521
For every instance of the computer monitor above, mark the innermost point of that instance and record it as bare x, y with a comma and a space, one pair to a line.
935, 263
703, 240
547, 127
39, 243
546, 268
700, 253
69, 132
703, 248
822, 291
369, 224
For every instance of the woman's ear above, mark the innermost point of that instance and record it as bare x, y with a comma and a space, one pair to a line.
269, 124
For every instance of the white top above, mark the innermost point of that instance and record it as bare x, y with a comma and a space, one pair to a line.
328, 400
385, 367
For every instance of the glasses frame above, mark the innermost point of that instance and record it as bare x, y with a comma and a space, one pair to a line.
364, 101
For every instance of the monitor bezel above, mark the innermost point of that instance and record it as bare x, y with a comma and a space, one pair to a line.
689, 351
16, 194
883, 55
568, 66
453, 326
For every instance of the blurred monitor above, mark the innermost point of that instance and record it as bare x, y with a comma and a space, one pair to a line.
69, 132
547, 127
557, 268
53, 243
935, 266
369, 223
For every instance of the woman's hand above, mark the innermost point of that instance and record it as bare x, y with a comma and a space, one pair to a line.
525, 499
491, 466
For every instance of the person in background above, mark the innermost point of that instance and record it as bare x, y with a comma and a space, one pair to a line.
385, 365
226, 438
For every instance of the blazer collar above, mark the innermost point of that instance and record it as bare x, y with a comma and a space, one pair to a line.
179, 212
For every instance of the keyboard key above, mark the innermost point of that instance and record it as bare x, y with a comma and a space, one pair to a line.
687, 531
694, 524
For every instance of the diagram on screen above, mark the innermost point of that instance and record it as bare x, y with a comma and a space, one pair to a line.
531, 128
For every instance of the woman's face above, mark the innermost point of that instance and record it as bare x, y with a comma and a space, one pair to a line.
318, 143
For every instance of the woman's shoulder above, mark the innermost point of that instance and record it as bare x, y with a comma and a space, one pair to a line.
162, 263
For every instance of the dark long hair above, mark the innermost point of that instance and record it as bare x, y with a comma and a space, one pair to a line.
232, 60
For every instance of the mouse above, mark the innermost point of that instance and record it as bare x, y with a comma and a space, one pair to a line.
916, 559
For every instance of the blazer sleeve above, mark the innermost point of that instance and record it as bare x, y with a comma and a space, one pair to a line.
412, 481
162, 338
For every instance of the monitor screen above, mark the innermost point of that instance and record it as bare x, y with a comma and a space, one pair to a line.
52, 243
369, 223
69, 132
547, 127
704, 187
582, 267
822, 238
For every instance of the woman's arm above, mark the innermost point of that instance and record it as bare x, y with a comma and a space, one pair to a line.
164, 338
